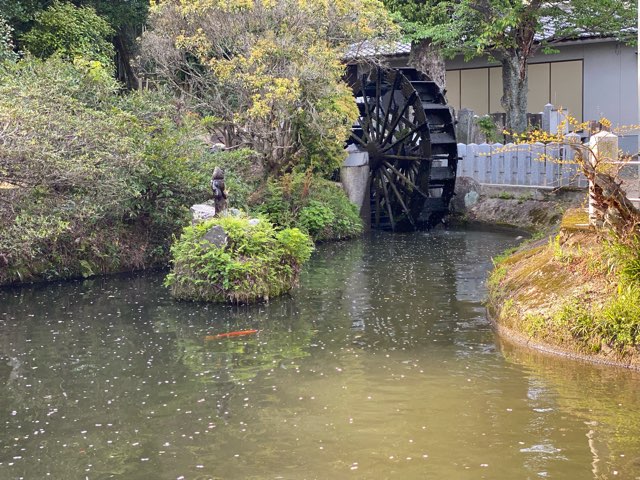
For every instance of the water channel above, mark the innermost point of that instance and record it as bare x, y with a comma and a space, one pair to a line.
381, 365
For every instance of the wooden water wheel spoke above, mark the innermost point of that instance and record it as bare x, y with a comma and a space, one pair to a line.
396, 80
378, 98
386, 200
393, 128
391, 183
359, 140
406, 179
407, 136
403, 157
398, 117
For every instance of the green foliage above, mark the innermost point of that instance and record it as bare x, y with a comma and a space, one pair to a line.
561, 253
616, 324
534, 324
256, 263
488, 128
315, 217
623, 257
121, 14
501, 258
506, 196
314, 204
619, 320
91, 181
7, 47
271, 73
71, 32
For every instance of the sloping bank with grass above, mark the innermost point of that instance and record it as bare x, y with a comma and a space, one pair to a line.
576, 294
96, 181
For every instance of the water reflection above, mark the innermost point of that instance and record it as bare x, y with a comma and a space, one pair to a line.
382, 365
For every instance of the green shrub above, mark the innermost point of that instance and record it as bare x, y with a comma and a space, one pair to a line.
71, 32
92, 181
616, 323
256, 263
619, 320
315, 217
488, 127
624, 258
314, 204
7, 46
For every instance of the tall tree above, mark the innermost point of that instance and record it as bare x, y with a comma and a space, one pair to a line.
267, 73
512, 31
71, 32
127, 19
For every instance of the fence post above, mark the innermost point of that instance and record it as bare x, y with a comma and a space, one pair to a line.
497, 163
511, 160
538, 172
462, 160
604, 147
523, 156
552, 164
472, 155
571, 169
484, 160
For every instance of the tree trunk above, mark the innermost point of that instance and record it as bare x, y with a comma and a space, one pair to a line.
514, 91
428, 59
611, 202
124, 72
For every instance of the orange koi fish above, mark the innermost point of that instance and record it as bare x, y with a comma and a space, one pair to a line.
239, 333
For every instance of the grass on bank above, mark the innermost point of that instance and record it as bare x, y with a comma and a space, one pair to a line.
579, 291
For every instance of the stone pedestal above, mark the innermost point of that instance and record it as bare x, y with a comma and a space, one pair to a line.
201, 212
354, 176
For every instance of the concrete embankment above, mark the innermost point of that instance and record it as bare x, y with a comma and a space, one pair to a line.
530, 208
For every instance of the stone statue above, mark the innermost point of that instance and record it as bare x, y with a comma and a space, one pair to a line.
219, 195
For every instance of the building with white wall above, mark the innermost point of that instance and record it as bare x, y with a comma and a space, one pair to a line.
591, 77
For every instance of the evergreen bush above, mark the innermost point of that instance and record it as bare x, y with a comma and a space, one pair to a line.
257, 262
314, 204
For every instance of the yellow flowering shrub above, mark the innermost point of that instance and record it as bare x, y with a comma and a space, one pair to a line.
271, 71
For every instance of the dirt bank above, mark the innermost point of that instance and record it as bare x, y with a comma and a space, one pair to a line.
564, 295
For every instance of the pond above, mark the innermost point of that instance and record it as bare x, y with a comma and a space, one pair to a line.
381, 365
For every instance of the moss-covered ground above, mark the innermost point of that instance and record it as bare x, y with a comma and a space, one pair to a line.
577, 291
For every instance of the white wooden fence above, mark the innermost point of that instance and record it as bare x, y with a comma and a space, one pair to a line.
519, 165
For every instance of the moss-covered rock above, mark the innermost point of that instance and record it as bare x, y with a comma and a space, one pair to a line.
237, 260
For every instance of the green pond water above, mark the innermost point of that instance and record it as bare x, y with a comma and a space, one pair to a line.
381, 365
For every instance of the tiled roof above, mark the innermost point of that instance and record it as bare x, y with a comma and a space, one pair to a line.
368, 49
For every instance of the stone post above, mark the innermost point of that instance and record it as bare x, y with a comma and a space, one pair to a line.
604, 148
465, 126
546, 118
354, 175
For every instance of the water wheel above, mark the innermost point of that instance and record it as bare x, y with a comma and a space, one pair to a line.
407, 130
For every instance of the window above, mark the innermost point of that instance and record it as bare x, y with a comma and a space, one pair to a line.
480, 89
